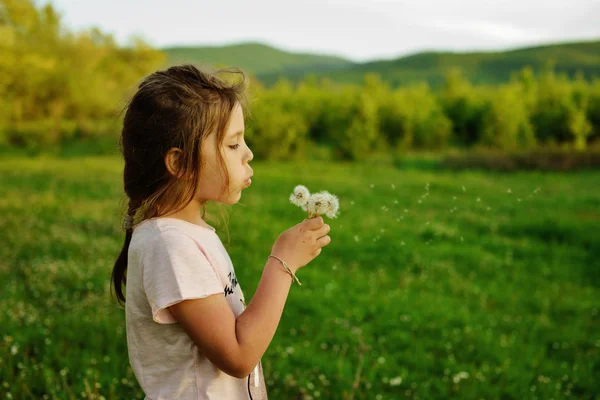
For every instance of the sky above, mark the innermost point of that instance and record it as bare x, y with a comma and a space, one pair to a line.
359, 30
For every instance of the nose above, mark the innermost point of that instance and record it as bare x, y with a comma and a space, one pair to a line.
251, 156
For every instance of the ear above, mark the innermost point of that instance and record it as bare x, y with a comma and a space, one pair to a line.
173, 162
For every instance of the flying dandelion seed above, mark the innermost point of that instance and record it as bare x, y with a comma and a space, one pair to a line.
419, 202
508, 191
372, 186
464, 189
402, 243
356, 238
352, 202
488, 208
427, 223
393, 186
461, 239
405, 210
478, 200
519, 200
395, 201
453, 197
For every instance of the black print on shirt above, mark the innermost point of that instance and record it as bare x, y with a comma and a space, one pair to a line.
233, 280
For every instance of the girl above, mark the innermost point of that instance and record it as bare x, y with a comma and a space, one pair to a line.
189, 333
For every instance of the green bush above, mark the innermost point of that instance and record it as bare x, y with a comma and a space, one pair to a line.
506, 123
275, 131
413, 118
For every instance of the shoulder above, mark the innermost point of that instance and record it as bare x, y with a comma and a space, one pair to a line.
151, 235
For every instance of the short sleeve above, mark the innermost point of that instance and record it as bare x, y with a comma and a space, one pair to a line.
176, 269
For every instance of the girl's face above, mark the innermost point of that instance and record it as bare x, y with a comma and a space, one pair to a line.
236, 155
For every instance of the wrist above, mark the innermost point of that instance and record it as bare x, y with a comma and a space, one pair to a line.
283, 266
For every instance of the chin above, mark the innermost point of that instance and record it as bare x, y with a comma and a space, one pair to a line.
231, 199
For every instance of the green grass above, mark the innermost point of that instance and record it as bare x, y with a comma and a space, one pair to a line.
397, 306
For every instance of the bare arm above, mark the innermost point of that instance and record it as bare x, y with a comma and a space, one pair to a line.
236, 345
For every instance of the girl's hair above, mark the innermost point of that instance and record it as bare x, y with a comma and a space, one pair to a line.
177, 107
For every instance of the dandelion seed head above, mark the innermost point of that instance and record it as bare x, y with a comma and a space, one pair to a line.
333, 205
300, 196
323, 203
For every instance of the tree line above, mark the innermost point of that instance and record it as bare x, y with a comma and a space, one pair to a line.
59, 87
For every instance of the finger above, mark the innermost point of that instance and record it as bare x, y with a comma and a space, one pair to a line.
314, 223
323, 241
322, 231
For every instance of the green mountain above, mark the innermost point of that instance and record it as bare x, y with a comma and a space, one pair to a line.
479, 67
269, 64
255, 58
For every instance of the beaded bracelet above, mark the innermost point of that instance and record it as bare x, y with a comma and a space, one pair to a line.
287, 268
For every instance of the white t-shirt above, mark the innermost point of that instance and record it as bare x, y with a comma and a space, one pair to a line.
171, 260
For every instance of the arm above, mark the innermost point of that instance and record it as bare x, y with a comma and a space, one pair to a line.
236, 345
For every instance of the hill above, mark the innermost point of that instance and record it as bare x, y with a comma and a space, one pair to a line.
480, 67
269, 64
256, 58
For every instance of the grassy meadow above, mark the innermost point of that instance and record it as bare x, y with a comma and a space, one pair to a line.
437, 284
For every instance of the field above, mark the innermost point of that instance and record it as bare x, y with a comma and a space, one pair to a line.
437, 284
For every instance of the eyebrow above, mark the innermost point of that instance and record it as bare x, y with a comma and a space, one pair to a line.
238, 133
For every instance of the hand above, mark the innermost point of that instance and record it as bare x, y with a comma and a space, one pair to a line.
302, 243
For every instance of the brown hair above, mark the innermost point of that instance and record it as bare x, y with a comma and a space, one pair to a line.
177, 107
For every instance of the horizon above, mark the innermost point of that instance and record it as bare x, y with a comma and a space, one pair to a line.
477, 51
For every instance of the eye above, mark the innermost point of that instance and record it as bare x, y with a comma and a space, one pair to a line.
234, 146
